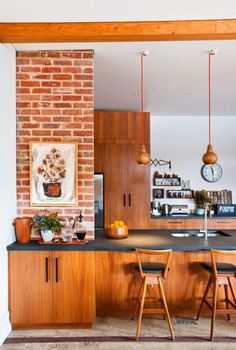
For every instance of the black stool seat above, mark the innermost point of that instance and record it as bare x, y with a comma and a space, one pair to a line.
152, 267
221, 267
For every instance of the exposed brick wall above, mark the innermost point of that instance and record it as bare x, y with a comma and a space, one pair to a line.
55, 103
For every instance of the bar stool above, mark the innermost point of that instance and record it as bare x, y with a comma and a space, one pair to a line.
152, 273
220, 275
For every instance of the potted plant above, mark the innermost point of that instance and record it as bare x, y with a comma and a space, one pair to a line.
201, 198
47, 223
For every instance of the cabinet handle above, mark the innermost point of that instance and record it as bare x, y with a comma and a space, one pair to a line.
46, 269
124, 200
57, 270
129, 200
223, 222
175, 222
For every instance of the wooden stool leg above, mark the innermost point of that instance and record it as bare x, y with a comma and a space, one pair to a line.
213, 318
227, 299
204, 297
138, 297
232, 290
141, 308
166, 308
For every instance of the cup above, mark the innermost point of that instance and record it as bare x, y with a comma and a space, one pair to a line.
67, 234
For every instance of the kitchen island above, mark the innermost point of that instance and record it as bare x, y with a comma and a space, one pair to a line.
76, 283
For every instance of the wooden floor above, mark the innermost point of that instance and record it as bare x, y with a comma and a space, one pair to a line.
118, 333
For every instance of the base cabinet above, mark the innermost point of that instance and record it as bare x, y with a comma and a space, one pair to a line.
192, 224
51, 288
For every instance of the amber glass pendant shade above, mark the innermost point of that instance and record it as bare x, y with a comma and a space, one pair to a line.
143, 157
209, 157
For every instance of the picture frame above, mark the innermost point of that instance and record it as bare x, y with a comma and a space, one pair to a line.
158, 193
53, 174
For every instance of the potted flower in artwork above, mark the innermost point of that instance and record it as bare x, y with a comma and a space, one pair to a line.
53, 171
47, 223
201, 198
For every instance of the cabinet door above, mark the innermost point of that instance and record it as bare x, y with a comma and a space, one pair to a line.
73, 287
30, 286
120, 127
138, 188
111, 159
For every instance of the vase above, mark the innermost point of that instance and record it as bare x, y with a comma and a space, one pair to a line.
199, 211
52, 189
47, 235
22, 229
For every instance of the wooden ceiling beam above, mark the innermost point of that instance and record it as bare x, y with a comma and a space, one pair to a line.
220, 29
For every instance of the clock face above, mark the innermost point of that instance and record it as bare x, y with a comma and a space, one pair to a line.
211, 172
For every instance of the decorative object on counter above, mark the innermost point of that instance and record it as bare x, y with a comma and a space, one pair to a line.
165, 181
59, 241
201, 198
143, 157
80, 228
166, 209
53, 173
22, 229
117, 230
226, 209
209, 157
220, 197
47, 223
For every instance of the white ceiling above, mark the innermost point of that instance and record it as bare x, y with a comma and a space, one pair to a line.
175, 72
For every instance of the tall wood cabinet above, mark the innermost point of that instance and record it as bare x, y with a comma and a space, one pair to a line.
127, 184
51, 288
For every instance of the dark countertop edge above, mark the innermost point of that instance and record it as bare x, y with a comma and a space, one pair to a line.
191, 216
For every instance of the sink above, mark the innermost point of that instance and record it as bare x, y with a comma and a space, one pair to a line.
210, 233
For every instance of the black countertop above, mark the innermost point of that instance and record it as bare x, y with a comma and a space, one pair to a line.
149, 239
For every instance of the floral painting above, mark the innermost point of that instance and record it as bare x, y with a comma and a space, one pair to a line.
53, 173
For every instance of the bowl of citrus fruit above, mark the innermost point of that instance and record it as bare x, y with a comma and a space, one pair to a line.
117, 230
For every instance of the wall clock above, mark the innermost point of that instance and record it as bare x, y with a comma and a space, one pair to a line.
211, 172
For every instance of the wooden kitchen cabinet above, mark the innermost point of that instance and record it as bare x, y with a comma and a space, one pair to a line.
120, 127
51, 288
170, 223
126, 184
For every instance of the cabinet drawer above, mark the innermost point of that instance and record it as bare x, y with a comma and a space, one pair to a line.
175, 224
227, 224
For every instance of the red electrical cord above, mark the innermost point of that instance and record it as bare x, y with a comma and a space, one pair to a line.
209, 96
142, 100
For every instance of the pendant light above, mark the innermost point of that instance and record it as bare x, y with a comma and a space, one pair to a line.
143, 157
209, 157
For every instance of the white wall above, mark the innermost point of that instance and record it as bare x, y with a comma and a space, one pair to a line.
7, 174
183, 140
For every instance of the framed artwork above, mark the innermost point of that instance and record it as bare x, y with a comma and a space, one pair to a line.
53, 173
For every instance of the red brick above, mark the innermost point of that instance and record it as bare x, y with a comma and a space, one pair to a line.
22, 61
41, 91
87, 70
51, 70
83, 63
41, 104
71, 112
50, 111
71, 83
30, 125
71, 54
31, 69
61, 76
22, 91
62, 62
23, 104
21, 76
88, 98
83, 105
51, 83
30, 83
62, 105
41, 62
87, 83
71, 98
30, 111
51, 98
73, 126
29, 97
50, 125
41, 132
83, 76
61, 133
72, 70
61, 119
28, 54
41, 76
88, 55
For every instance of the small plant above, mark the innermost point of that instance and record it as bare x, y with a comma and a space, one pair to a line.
45, 220
201, 198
